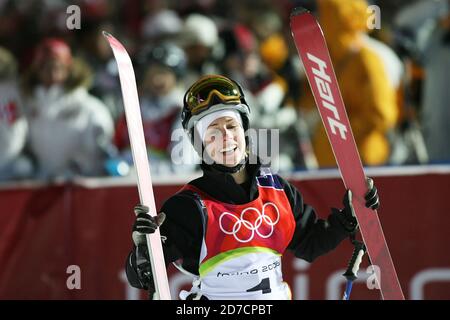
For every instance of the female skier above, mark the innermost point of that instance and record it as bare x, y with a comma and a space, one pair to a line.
230, 227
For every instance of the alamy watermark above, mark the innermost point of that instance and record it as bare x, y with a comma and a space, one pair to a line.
73, 20
374, 279
74, 279
374, 19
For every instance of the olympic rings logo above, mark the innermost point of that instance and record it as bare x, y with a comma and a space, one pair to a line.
263, 221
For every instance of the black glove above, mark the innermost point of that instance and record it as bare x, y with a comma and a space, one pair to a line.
140, 273
347, 214
141, 276
372, 199
145, 224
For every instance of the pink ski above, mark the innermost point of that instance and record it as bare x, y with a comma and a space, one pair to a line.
313, 52
139, 151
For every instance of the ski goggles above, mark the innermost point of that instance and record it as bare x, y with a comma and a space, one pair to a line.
203, 94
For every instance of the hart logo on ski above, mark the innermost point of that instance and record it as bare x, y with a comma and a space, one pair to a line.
313, 52
323, 81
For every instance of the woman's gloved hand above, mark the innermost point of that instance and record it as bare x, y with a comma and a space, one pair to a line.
145, 224
347, 214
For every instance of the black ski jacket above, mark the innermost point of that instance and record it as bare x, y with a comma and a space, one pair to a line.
183, 229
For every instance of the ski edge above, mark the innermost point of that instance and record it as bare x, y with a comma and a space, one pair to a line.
162, 290
294, 14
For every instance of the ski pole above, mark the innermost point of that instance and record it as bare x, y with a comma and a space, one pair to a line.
351, 274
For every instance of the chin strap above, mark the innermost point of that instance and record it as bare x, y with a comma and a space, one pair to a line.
225, 169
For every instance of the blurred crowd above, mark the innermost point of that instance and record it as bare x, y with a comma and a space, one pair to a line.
61, 109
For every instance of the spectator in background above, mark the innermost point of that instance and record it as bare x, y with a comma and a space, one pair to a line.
240, 56
159, 69
242, 61
69, 129
267, 94
366, 90
198, 38
395, 71
97, 53
421, 27
13, 124
160, 24
279, 96
436, 93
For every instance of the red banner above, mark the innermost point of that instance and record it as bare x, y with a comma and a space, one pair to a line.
70, 241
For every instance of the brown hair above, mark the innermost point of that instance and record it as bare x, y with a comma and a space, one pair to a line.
80, 75
8, 64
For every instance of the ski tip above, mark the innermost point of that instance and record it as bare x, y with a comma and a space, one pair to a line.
106, 34
298, 11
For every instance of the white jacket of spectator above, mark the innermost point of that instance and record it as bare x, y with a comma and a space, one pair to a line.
13, 125
68, 131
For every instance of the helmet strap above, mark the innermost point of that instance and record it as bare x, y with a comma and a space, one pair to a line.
224, 169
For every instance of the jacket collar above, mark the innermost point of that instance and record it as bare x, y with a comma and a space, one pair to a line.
222, 186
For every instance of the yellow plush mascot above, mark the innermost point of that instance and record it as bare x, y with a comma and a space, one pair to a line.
369, 98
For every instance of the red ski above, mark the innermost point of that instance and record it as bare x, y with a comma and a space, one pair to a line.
313, 52
140, 159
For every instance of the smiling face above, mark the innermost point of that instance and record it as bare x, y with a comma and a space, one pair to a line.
225, 141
